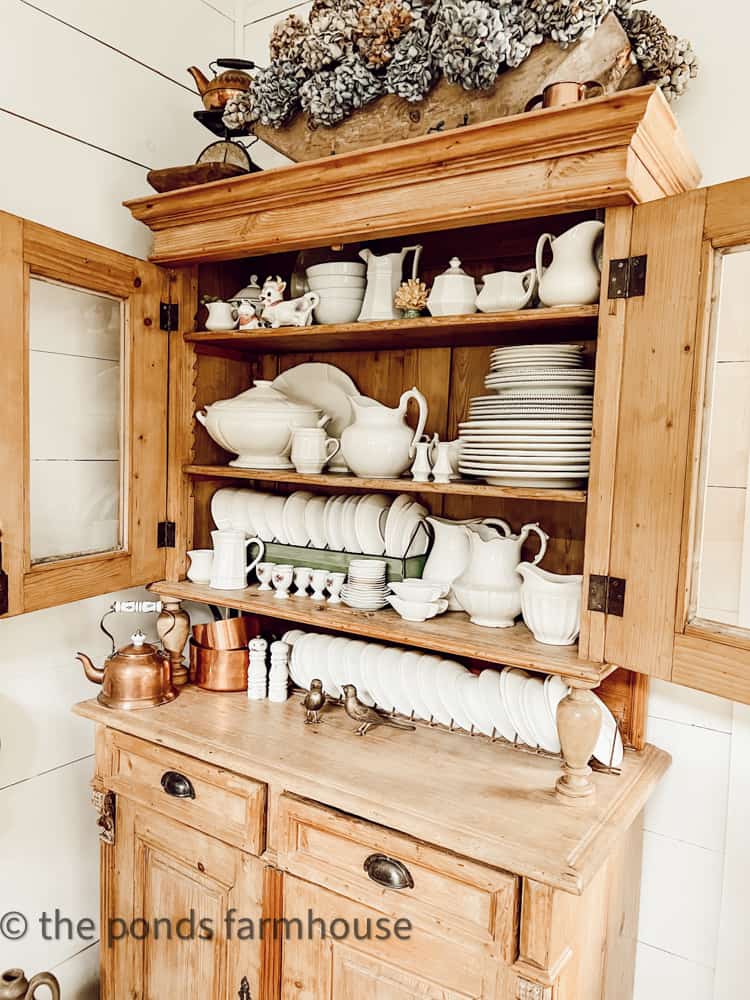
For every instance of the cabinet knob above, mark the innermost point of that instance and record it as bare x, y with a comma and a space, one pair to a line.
177, 785
388, 872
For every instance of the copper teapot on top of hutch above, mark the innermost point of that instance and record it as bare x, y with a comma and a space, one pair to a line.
530, 900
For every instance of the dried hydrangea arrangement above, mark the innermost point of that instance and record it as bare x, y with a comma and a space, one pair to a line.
349, 52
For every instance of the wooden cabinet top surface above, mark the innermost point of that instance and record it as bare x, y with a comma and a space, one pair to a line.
619, 150
486, 802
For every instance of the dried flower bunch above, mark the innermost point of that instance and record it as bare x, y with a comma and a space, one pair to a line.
411, 296
349, 52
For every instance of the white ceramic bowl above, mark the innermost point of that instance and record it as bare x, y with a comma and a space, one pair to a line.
335, 308
419, 590
488, 606
346, 267
341, 282
417, 611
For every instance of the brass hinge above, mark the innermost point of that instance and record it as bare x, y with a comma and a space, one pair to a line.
169, 316
607, 595
627, 277
105, 805
244, 993
3, 586
166, 535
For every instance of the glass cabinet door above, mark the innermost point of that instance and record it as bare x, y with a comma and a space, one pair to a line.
83, 402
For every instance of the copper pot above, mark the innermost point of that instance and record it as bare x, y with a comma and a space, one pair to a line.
218, 669
229, 633
555, 95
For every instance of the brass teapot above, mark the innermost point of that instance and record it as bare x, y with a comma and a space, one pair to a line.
15, 986
137, 676
224, 86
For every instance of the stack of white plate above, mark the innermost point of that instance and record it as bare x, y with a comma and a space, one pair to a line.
368, 523
365, 587
511, 703
536, 430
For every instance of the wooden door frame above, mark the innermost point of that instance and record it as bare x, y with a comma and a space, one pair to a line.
29, 249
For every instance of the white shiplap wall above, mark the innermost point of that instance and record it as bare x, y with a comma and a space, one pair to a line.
92, 92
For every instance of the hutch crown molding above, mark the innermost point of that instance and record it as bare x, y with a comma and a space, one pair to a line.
516, 893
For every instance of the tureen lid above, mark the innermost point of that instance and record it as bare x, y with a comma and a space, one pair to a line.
262, 396
252, 290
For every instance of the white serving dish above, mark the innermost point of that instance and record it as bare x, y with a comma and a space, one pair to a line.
417, 611
339, 267
419, 590
257, 426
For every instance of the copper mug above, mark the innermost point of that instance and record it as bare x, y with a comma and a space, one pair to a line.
555, 95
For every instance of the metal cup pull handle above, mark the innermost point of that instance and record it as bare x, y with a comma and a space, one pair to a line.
388, 872
177, 785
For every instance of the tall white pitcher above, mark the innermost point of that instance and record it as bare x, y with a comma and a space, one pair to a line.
384, 276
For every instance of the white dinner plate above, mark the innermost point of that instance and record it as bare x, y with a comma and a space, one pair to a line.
314, 521
351, 655
473, 703
273, 514
368, 519
512, 681
333, 523
608, 750
490, 693
348, 511
334, 659
394, 523
394, 683
540, 480
449, 675
534, 350
410, 684
368, 666
534, 703
554, 426
293, 517
221, 508
413, 516
519, 442
428, 668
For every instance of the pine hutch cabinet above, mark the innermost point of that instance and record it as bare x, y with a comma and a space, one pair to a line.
510, 892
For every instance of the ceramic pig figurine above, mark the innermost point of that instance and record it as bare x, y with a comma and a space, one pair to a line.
277, 312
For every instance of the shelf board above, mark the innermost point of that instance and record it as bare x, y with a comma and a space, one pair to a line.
450, 633
463, 488
553, 324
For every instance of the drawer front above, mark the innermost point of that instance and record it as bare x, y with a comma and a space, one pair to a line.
218, 802
443, 893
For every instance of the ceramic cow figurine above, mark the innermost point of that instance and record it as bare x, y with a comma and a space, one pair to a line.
278, 312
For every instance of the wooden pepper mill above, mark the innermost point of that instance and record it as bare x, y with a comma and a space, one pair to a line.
173, 628
15, 986
579, 720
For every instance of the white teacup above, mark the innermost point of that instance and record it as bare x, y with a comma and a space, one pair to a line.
201, 561
312, 450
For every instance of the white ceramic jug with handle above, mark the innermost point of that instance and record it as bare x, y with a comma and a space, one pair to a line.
574, 276
451, 549
384, 275
489, 589
229, 568
380, 444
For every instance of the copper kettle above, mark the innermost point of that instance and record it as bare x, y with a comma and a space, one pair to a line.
15, 986
224, 86
137, 676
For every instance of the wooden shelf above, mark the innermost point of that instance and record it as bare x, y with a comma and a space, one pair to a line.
451, 633
559, 323
463, 488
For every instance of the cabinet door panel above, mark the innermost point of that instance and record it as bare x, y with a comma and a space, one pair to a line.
83, 410
359, 965
171, 890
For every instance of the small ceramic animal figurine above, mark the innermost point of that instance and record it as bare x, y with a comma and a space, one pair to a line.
314, 702
367, 718
248, 316
278, 312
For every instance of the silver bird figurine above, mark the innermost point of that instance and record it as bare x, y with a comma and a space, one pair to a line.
314, 702
365, 717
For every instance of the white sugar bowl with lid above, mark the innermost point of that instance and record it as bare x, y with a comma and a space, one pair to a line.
454, 292
258, 426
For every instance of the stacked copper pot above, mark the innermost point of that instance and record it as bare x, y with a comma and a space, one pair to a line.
219, 654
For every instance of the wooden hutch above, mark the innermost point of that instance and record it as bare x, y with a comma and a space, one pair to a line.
517, 895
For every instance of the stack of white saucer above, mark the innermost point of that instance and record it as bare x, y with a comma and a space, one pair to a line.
365, 588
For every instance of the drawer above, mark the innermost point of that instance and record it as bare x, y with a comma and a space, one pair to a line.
217, 802
443, 893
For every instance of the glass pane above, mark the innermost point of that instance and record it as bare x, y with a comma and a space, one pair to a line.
75, 422
722, 579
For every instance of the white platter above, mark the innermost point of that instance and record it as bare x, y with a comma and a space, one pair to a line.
325, 386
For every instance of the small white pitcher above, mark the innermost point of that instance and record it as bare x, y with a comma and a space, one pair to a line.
312, 450
229, 570
221, 316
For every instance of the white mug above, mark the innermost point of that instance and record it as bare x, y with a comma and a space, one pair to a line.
312, 450
230, 569
201, 561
